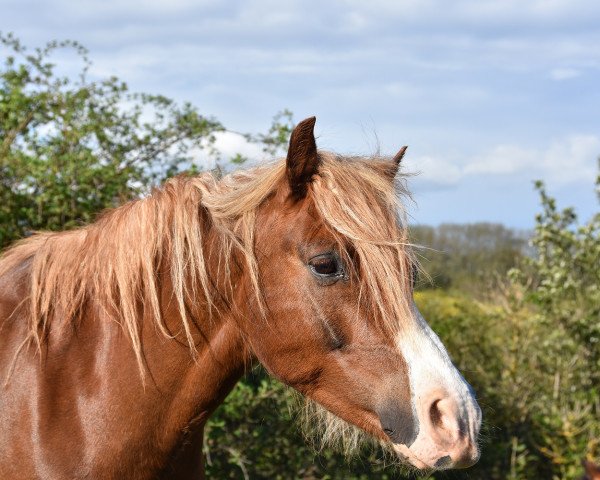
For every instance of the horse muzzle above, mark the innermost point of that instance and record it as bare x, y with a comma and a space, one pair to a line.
448, 428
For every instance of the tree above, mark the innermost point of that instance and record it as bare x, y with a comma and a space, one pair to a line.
561, 283
471, 257
72, 147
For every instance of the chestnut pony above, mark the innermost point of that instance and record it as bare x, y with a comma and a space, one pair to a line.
119, 339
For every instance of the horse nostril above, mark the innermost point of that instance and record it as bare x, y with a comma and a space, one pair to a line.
443, 462
444, 419
435, 415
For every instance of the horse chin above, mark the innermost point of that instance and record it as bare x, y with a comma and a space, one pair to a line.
409, 457
427, 456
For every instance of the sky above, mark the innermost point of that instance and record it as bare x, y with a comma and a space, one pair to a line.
488, 95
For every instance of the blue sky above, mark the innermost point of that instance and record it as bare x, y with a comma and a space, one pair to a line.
489, 95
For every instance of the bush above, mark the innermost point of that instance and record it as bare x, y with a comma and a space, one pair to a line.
254, 434
71, 147
535, 363
561, 284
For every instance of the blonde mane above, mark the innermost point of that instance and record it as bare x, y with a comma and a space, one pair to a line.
115, 261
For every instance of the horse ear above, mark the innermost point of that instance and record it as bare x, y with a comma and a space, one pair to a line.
393, 169
302, 157
398, 157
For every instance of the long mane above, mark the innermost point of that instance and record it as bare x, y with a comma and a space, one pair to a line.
114, 261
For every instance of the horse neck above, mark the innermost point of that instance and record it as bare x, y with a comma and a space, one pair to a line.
181, 388
184, 386
90, 370
204, 375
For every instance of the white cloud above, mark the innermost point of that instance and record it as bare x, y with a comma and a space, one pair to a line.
565, 161
111, 8
501, 160
564, 73
572, 159
227, 145
230, 144
434, 172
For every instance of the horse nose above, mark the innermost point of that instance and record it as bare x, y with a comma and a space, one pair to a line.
452, 427
443, 419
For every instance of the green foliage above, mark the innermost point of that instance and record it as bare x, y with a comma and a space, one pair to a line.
561, 284
71, 147
566, 278
534, 362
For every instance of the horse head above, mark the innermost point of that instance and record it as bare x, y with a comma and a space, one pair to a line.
340, 324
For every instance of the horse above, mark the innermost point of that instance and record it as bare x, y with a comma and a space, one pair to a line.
120, 338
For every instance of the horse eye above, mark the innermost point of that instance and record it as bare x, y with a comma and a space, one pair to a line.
326, 265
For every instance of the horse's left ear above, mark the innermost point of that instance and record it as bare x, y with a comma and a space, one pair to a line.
398, 157
302, 157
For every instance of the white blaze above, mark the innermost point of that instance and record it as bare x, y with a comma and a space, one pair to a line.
433, 376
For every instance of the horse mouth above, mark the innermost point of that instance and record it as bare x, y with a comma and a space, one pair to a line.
409, 457
444, 460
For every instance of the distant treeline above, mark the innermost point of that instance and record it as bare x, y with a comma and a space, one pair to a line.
472, 258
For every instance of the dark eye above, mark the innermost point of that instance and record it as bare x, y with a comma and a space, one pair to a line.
327, 265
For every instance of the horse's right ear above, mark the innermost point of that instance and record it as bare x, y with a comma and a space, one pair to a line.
302, 158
